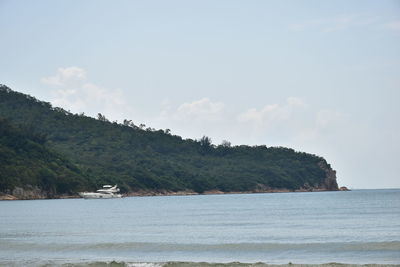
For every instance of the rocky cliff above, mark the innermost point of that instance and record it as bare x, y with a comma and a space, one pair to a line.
329, 183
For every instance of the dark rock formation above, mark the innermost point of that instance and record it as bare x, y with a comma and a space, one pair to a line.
330, 182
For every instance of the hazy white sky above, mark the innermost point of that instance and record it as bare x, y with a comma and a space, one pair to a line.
318, 76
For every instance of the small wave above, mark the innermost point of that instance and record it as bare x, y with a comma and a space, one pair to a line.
233, 247
145, 264
184, 264
80, 264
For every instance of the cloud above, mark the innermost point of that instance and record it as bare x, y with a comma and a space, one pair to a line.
73, 91
339, 23
66, 77
272, 113
192, 119
200, 110
394, 25
322, 123
293, 122
296, 102
333, 24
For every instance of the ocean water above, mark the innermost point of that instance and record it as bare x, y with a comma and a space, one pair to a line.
356, 227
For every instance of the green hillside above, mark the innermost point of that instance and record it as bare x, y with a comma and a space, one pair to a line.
154, 160
25, 163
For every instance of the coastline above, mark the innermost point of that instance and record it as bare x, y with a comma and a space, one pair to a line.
190, 264
149, 193
257, 264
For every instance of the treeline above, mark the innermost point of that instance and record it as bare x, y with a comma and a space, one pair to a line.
140, 158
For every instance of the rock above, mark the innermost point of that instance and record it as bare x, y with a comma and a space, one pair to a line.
29, 192
7, 197
343, 188
330, 182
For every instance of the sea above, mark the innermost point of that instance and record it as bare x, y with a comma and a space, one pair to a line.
286, 229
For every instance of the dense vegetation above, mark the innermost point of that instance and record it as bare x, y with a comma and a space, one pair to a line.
24, 160
143, 159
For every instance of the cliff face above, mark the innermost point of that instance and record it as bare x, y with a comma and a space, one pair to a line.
329, 182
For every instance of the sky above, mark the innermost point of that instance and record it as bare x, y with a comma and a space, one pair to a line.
318, 76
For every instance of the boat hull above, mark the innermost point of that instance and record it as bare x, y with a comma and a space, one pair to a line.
90, 195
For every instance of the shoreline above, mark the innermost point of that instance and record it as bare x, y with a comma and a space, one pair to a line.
117, 263
172, 193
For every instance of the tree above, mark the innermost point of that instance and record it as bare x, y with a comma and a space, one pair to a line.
206, 142
226, 143
101, 117
127, 122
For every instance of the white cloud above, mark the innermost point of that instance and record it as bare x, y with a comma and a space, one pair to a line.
273, 113
265, 114
296, 102
333, 24
339, 23
66, 77
321, 124
72, 91
203, 109
394, 25
193, 119
292, 123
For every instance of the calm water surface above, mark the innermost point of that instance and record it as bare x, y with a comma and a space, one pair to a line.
361, 226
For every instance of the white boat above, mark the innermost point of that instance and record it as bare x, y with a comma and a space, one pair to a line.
108, 191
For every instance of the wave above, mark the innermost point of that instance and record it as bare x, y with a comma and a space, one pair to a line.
16, 254
183, 264
232, 247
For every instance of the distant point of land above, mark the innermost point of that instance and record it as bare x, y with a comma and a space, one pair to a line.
48, 152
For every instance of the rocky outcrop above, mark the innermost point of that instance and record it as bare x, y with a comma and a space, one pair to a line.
29, 192
7, 197
329, 183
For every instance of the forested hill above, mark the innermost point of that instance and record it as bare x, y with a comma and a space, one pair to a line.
95, 151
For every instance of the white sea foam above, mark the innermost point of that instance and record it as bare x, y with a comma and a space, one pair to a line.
145, 264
